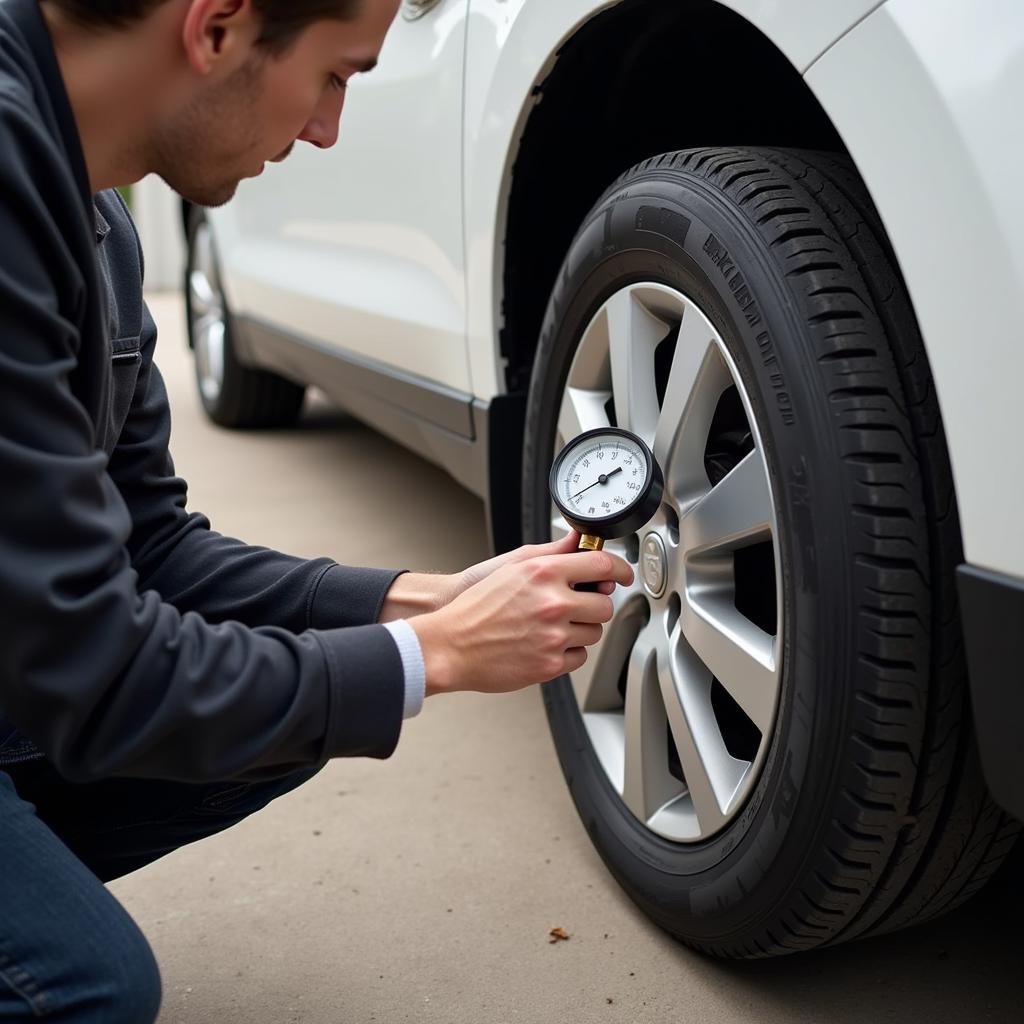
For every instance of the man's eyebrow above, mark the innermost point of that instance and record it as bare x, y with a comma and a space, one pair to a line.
362, 65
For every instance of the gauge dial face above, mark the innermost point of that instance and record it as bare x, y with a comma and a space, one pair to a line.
601, 475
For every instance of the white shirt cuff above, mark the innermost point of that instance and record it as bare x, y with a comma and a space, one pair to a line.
408, 644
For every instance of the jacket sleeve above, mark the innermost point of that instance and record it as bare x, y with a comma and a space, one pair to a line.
105, 679
196, 569
176, 553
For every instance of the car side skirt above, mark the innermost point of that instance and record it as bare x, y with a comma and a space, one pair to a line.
477, 442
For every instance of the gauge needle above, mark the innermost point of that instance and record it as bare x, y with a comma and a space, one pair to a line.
602, 479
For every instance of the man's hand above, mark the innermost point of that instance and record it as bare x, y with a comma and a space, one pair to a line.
521, 623
476, 573
414, 593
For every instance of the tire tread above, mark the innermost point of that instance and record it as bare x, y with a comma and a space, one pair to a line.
955, 837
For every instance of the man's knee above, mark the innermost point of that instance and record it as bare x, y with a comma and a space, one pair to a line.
135, 988
115, 979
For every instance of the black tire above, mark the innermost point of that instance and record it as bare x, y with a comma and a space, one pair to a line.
246, 397
870, 812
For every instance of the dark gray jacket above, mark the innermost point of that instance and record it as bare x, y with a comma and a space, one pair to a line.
134, 641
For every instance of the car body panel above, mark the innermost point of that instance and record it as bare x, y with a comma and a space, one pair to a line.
362, 246
943, 167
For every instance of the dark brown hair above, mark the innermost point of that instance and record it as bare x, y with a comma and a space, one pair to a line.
283, 20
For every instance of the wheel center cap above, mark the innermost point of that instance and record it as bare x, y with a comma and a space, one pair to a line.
654, 564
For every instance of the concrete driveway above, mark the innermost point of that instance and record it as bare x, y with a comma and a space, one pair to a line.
423, 888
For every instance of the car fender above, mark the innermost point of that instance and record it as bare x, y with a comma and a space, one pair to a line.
943, 167
512, 46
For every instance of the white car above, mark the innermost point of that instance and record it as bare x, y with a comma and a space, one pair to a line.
784, 243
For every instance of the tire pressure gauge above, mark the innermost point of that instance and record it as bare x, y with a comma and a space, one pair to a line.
606, 483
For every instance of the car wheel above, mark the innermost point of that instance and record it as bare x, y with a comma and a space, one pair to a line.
233, 395
771, 746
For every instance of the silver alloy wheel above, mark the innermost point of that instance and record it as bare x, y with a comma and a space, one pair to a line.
208, 314
651, 692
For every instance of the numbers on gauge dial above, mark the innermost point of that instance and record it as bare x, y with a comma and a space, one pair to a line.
602, 476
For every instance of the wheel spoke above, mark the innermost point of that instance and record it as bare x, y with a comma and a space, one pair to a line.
696, 381
712, 775
596, 681
204, 299
739, 655
633, 335
647, 783
582, 409
670, 742
738, 508
210, 341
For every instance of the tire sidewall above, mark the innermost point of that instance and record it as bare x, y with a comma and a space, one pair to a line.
677, 230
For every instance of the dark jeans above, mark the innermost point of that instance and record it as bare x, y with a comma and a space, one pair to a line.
68, 950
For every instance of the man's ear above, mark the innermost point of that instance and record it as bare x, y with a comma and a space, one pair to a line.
219, 35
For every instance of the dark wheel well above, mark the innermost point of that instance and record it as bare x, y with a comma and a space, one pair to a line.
640, 79
186, 210
186, 221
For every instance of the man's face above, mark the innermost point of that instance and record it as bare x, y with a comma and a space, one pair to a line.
230, 127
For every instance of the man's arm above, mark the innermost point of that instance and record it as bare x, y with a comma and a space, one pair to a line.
105, 679
109, 681
176, 553
196, 569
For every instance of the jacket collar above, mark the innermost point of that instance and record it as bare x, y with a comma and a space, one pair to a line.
29, 20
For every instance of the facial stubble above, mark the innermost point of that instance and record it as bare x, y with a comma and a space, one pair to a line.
211, 137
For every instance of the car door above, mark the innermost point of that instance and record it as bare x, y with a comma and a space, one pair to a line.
360, 248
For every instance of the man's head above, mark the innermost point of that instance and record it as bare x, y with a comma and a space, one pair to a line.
227, 85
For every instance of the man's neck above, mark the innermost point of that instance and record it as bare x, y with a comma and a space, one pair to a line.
109, 77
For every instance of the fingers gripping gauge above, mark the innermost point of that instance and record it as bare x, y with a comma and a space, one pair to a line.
606, 483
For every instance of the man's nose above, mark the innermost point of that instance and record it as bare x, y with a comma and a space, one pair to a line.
322, 128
